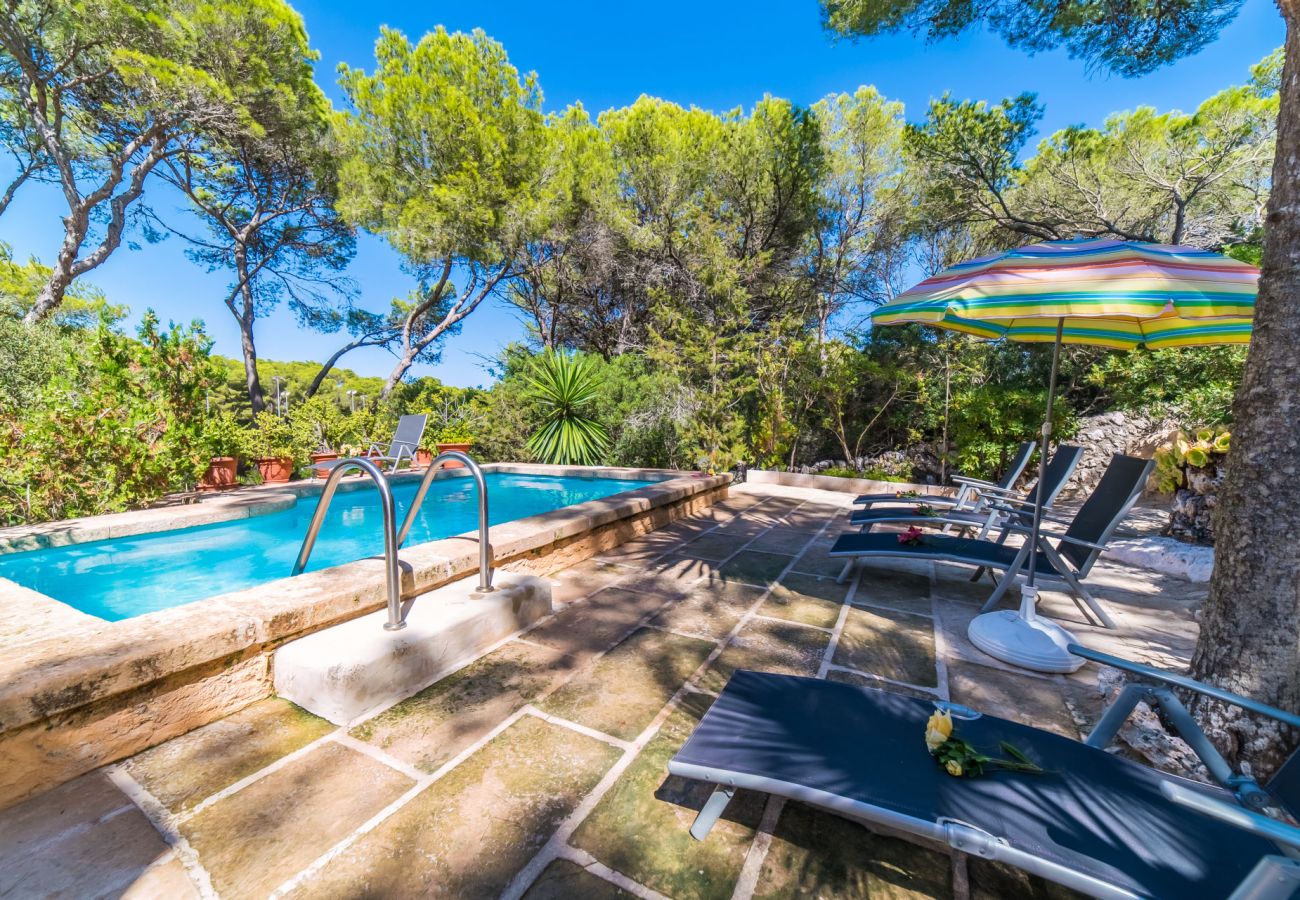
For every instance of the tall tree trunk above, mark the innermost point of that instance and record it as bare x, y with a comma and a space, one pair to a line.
1250, 626
75, 226
404, 363
256, 398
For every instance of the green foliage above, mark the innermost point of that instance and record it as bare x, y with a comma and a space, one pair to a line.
84, 306
444, 145
1174, 458
1128, 38
564, 387
273, 437
117, 425
872, 473
222, 435
318, 424
1191, 385
94, 94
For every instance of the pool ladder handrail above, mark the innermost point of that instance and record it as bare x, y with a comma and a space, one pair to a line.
484, 545
393, 539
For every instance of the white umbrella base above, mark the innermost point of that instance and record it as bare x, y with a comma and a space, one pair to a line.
1023, 639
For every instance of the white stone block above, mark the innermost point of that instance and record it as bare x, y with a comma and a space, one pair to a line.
1166, 556
356, 667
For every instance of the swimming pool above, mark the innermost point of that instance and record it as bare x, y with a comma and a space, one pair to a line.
129, 576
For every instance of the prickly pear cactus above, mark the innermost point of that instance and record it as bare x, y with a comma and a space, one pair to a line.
1191, 468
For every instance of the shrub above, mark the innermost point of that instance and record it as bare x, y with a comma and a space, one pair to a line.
564, 386
1173, 459
318, 424
222, 435
273, 437
872, 473
117, 424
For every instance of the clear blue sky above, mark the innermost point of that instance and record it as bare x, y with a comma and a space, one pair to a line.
716, 55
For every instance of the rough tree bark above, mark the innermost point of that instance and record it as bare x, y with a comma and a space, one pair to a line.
1250, 626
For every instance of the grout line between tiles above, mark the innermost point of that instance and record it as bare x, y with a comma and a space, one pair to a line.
166, 824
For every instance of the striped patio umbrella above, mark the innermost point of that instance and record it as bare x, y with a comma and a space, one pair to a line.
1108, 293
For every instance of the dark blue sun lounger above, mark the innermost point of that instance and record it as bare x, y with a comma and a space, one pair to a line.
992, 509
1095, 822
970, 487
1065, 564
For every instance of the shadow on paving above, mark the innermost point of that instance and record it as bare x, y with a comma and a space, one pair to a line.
641, 826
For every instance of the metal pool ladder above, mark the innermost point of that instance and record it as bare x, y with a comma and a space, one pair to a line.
393, 538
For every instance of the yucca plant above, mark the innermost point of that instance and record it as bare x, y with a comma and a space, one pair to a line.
565, 387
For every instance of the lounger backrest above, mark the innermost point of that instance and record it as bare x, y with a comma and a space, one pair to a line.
1059, 469
410, 429
1120, 486
1018, 463
1285, 784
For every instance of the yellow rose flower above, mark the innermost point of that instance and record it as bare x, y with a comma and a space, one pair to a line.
938, 730
954, 768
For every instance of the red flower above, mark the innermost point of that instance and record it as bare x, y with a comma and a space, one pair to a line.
910, 536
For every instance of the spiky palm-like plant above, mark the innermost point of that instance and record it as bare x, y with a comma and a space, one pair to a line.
565, 386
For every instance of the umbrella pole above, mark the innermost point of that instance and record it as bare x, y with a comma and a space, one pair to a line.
1042, 453
1021, 637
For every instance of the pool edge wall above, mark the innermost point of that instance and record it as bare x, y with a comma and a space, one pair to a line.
103, 691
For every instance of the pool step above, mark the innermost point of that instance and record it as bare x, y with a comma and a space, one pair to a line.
356, 667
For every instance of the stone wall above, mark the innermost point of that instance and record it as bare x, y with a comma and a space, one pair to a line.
1191, 517
1106, 434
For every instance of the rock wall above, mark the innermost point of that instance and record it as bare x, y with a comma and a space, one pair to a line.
1191, 517
1106, 434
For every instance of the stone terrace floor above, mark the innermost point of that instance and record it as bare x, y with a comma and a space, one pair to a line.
539, 771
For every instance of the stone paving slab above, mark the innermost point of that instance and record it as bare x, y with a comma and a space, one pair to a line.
472, 830
673, 576
83, 839
878, 586
584, 579
257, 838
893, 644
564, 880
752, 567
627, 687
806, 599
440, 721
861, 680
186, 770
1038, 702
642, 826
597, 623
769, 646
845, 860
814, 561
715, 545
711, 610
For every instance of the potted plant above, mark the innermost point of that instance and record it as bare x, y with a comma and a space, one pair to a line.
221, 442
271, 445
318, 423
454, 435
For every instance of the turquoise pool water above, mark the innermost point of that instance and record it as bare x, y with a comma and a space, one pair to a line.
123, 577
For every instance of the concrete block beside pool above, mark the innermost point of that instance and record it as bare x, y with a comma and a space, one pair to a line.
101, 658
357, 667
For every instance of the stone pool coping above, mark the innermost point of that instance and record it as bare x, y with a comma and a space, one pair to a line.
90, 662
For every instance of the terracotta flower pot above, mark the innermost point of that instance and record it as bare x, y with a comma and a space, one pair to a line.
453, 464
423, 456
220, 475
275, 469
317, 458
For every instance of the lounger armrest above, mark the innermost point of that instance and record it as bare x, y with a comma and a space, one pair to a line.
1256, 823
1190, 684
976, 482
1043, 534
